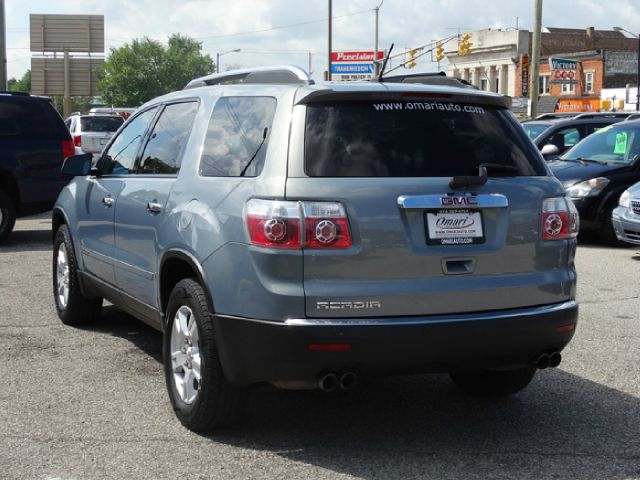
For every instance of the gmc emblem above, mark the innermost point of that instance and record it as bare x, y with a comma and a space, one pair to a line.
458, 201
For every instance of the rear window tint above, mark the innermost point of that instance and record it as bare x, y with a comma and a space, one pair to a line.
100, 124
28, 117
412, 139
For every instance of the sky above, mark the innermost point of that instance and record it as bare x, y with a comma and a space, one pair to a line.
276, 32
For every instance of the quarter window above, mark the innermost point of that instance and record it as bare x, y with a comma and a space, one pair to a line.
237, 137
120, 157
163, 152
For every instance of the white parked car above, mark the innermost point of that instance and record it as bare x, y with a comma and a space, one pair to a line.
626, 218
92, 132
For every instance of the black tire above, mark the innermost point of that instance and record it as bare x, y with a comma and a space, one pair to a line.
78, 309
7, 216
217, 403
493, 383
608, 233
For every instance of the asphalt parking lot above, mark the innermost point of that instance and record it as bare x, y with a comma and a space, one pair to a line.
90, 403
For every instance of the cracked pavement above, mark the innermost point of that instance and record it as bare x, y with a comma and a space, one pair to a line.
90, 403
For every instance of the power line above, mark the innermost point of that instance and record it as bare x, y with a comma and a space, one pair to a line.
280, 27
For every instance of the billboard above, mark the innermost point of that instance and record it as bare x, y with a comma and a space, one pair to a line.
563, 70
47, 76
74, 33
353, 64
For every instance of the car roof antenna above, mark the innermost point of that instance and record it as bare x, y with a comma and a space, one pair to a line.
384, 64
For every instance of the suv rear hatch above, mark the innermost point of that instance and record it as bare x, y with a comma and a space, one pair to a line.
419, 246
96, 131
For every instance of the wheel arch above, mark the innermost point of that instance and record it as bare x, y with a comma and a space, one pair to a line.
177, 265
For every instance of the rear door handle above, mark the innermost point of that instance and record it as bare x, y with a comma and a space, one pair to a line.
154, 207
108, 201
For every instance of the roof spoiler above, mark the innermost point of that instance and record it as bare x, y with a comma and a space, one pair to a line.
283, 75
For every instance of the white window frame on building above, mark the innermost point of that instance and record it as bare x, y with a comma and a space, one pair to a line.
568, 88
544, 84
589, 78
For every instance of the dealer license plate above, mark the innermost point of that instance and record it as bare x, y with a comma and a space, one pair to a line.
454, 227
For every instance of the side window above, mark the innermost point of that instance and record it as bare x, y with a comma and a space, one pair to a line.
237, 137
163, 152
120, 157
565, 138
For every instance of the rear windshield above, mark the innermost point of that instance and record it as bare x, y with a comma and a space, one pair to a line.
413, 139
100, 124
30, 118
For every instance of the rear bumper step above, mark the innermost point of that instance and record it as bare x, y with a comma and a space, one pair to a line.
256, 351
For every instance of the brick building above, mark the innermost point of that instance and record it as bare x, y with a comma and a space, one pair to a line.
606, 59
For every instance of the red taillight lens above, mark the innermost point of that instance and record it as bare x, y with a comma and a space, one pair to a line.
279, 224
326, 225
68, 148
559, 219
77, 140
274, 224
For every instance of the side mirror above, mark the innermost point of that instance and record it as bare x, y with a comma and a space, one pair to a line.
550, 150
77, 165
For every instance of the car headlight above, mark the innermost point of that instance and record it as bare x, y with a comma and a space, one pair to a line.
624, 199
588, 188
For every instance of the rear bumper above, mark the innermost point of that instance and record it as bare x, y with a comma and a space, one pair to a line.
254, 351
626, 225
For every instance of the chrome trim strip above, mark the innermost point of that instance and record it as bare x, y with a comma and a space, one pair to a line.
133, 269
483, 200
429, 320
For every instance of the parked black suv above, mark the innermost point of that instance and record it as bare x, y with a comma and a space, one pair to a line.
33, 144
556, 135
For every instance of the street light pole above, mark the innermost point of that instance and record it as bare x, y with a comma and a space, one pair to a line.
218, 55
329, 58
375, 48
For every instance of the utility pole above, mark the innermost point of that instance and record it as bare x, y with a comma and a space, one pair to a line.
329, 57
535, 60
376, 64
3, 49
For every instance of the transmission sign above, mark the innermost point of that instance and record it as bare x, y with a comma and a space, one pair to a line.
563, 70
350, 65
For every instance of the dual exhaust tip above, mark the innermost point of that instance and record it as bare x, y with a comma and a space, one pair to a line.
329, 382
548, 360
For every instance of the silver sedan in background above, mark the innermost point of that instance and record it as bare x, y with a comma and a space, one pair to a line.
626, 218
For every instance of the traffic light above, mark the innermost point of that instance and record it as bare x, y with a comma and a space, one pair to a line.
464, 46
412, 56
439, 51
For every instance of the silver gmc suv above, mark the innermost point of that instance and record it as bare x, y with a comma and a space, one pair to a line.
312, 236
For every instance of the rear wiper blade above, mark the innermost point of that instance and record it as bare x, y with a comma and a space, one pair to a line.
470, 180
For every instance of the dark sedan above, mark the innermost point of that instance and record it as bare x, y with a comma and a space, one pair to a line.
597, 170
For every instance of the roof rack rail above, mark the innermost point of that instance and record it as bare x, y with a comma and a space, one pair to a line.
22, 94
549, 116
432, 78
287, 74
603, 114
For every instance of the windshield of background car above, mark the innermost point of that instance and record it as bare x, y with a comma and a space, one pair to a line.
615, 144
413, 139
101, 124
534, 129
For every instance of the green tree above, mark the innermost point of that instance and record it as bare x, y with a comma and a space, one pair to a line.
22, 85
144, 69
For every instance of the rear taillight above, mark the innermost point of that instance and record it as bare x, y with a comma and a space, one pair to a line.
560, 219
68, 148
77, 140
281, 224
